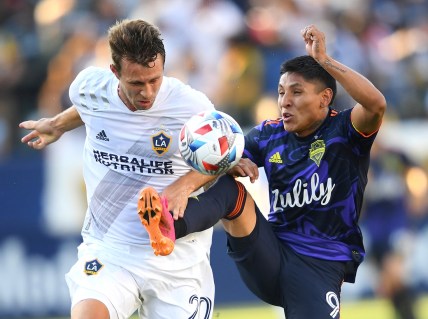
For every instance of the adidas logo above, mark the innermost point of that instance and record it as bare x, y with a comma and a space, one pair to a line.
102, 136
275, 158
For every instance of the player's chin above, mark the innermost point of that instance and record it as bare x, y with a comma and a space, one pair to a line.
289, 127
143, 105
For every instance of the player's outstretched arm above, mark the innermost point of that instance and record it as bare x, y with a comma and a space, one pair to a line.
178, 192
48, 130
371, 104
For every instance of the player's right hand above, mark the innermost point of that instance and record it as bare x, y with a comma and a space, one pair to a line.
42, 134
315, 42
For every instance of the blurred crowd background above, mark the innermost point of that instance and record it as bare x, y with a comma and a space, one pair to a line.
231, 50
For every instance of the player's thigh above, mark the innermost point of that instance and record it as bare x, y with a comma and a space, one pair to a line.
94, 277
186, 293
311, 287
258, 258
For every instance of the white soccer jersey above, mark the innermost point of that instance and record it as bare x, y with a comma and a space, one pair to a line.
125, 151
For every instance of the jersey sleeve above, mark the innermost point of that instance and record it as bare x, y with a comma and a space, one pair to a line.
361, 144
252, 149
77, 83
90, 90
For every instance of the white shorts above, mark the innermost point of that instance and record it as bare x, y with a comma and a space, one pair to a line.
184, 293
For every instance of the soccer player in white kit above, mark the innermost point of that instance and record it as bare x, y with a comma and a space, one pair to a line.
133, 115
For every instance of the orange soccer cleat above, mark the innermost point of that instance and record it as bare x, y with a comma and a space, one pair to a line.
156, 218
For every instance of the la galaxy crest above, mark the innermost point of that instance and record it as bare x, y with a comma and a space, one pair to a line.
317, 151
92, 267
161, 141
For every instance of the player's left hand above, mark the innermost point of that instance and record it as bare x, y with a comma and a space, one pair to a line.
245, 168
315, 42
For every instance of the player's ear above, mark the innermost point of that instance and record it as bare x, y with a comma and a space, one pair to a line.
114, 70
326, 97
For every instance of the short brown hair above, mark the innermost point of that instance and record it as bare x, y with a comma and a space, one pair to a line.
135, 40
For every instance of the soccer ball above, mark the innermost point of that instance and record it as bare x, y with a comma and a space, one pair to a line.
211, 142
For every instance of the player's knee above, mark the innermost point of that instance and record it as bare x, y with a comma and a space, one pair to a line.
243, 224
90, 309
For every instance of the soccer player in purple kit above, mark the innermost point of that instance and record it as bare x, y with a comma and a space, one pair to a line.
316, 161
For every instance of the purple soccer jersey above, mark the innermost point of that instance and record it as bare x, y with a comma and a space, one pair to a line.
316, 184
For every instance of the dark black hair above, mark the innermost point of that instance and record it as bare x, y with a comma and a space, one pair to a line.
311, 71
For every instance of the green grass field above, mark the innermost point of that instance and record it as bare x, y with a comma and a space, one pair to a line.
368, 309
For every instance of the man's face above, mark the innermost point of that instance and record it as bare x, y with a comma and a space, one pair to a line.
139, 85
303, 105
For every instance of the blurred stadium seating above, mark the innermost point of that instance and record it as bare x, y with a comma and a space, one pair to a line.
44, 43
